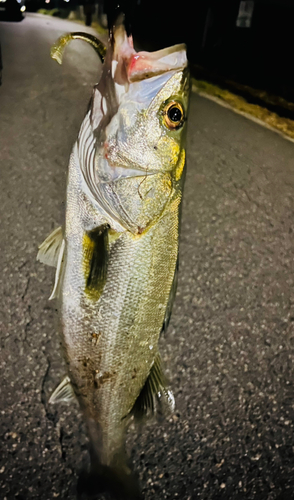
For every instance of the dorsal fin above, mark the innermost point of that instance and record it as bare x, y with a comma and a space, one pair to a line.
154, 397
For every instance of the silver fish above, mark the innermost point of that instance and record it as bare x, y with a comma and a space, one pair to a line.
117, 255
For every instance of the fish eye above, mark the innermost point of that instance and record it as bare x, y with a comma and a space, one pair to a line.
173, 115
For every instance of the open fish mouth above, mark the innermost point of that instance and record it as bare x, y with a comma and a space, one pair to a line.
135, 66
148, 64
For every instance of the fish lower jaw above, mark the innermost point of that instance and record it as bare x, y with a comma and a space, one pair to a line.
118, 172
111, 168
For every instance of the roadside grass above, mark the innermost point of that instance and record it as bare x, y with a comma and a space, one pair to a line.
63, 13
96, 26
273, 120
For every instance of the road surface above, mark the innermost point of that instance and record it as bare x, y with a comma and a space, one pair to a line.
230, 345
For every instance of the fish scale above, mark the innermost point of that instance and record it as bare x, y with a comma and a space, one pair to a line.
129, 318
134, 337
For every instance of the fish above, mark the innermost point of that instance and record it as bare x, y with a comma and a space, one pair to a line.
116, 256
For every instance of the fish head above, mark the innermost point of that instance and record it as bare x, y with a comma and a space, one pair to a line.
141, 117
147, 133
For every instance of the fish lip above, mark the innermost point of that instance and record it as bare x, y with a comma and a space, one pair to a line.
179, 47
145, 76
156, 63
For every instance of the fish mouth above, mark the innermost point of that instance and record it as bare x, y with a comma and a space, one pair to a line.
143, 65
134, 66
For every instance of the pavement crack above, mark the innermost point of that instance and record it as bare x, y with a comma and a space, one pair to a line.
44, 378
26, 288
62, 449
251, 200
51, 416
22, 265
27, 326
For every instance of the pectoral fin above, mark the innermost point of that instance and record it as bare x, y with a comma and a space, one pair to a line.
154, 396
96, 249
63, 392
58, 273
49, 250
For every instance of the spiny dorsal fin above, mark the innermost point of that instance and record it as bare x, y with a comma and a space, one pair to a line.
50, 248
96, 249
63, 392
154, 397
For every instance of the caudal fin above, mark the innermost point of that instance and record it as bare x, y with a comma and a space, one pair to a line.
121, 484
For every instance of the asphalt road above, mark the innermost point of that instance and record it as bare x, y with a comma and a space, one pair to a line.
230, 345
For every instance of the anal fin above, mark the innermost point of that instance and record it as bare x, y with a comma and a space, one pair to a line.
63, 392
154, 396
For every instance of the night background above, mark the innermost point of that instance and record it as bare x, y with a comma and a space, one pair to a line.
250, 44
229, 350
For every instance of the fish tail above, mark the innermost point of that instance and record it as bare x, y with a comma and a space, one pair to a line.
121, 483
107, 475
